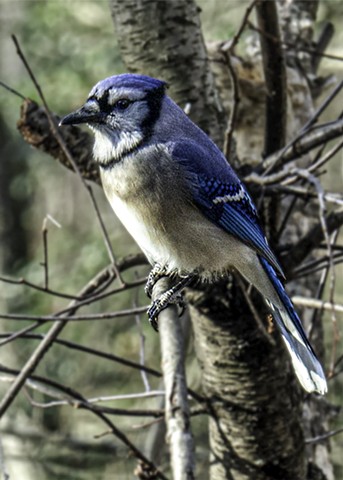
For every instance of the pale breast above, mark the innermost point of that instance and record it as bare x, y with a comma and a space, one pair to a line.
158, 212
144, 234
139, 200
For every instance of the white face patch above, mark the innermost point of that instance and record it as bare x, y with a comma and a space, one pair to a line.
106, 149
115, 94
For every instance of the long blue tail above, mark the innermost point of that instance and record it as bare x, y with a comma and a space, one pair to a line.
306, 365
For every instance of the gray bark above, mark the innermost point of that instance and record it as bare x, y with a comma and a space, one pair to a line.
179, 434
254, 400
164, 39
255, 403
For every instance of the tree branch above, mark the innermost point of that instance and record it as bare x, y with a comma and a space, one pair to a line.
177, 409
275, 78
33, 125
311, 241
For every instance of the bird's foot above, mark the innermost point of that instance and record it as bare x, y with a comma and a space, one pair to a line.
171, 296
158, 271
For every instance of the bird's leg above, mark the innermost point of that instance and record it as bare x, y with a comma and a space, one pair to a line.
173, 295
158, 271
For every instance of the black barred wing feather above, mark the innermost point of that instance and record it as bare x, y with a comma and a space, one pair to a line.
230, 206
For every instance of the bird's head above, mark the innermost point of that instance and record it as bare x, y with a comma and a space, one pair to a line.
122, 111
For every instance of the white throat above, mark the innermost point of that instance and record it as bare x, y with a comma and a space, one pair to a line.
105, 150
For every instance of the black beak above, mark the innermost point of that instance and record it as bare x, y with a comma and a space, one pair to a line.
82, 115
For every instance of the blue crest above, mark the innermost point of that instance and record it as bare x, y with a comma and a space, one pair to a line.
131, 81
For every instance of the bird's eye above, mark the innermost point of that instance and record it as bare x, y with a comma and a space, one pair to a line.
122, 104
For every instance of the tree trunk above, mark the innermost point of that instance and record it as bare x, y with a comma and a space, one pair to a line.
164, 39
255, 430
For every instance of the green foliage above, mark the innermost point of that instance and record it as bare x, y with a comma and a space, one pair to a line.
70, 46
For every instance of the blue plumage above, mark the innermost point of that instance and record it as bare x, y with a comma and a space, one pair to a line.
182, 202
223, 198
128, 80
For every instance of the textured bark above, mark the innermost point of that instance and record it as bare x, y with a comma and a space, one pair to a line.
164, 39
179, 434
33, 125
255, 404
275, 77
256, 433
255, 430
298, 20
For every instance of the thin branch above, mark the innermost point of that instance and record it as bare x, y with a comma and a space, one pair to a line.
30, 366
70, 158
316, 265
75, 318
231, 44
254, 311
275, 78
23, 281
332, 95
288, 45
82, 403
317, 304
92, 351
308, 142
177, 409
227, 149
41, 350
227, 48
142, 347
305, 193
104, 278
311, 240
45, 262
12, 90
325, 436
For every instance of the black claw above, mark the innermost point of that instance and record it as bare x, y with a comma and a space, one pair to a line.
171, 296
156, 273
153, 313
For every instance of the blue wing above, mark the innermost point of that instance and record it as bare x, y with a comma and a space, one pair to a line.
221, 197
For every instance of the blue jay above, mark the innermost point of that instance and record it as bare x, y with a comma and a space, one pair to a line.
178, 197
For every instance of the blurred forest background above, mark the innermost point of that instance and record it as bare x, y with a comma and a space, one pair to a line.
70, 46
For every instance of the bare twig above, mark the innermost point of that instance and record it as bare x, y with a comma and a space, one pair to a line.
65, 149
301, 48
317, 304
322, 210
92, 351
105, 277
177, 409
316, 265
12, 90
74, 318
254, 311
227, 48
41, 350
275, 78
231, 44
82, 403
325, 436
142, 349
234, 107
308, 142
45, 262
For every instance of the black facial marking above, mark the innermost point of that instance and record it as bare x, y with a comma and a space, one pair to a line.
154, 101
105, 107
